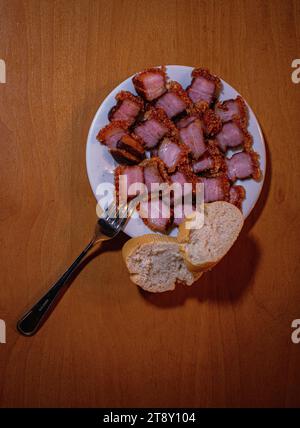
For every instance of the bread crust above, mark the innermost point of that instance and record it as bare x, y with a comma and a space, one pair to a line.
203, 267
149, 238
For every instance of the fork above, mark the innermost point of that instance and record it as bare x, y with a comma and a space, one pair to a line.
106, 228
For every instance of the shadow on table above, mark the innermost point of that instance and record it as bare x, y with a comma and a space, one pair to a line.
235, 273
226, 282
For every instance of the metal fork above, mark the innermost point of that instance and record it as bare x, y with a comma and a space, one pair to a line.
106, 228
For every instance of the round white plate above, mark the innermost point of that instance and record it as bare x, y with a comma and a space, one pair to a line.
100, 164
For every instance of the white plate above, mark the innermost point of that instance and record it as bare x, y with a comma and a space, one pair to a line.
100, 164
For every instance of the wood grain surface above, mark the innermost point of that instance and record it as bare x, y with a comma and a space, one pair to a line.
225, 341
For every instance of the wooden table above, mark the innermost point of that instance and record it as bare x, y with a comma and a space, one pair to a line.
225, 341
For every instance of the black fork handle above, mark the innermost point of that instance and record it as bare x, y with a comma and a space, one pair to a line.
30, 323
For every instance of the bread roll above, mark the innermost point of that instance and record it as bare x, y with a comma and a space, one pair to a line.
204, 247
156, 264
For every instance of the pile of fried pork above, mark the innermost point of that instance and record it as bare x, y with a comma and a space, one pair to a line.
168, 134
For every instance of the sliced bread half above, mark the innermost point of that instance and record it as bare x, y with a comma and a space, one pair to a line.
204, 247
156, 264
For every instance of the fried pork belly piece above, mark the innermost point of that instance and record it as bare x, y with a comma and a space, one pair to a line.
124, 157
233, 135
212, 162
172, 153
129, 150
134, 174
151, 84
216, 188
237, 195
133, 145
156, 215
204, 87
175, 101
205, 163
124, 148
243, 165
212, 123
111, 133
155, 172
193, 137
154, 127
128, 107
183, 175
186, 120
180, 177
232, 109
